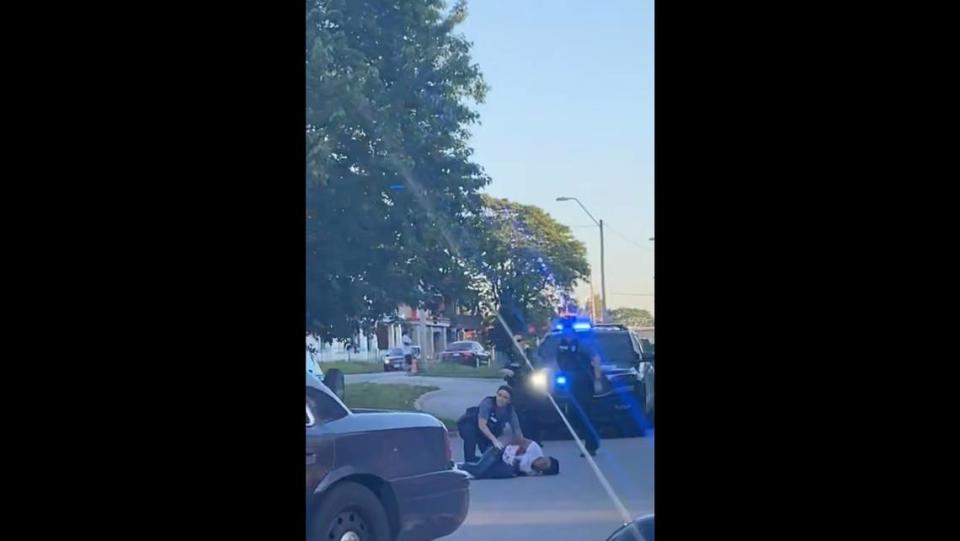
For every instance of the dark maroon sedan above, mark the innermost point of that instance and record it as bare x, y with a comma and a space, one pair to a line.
466, 352
381, 476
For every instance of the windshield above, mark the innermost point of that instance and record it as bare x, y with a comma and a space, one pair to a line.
460, 346
395, 351
614, 348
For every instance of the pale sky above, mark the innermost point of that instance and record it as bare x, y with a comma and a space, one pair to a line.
571, 113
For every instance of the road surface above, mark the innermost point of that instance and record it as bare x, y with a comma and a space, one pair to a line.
571, 506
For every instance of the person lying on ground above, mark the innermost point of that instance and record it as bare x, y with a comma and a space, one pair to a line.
522, 458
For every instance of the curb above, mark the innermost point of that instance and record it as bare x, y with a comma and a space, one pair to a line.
419, 407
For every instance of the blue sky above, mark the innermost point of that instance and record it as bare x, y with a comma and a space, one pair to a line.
570, 113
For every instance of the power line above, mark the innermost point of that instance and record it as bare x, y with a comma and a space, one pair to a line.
624, 237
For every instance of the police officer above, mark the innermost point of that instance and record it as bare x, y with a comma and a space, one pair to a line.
583, 377
483, 425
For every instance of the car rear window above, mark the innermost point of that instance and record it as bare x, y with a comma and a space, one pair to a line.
323, 407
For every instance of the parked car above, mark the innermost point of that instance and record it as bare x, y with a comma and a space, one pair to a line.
625, 403
628, 532
333, 379
465, 352
400, 358
396, 359
378, 476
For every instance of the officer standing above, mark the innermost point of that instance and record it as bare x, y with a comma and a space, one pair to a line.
583, 377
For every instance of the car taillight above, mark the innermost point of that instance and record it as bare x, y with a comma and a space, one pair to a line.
448, 445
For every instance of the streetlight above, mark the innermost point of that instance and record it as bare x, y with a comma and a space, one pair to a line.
603, 277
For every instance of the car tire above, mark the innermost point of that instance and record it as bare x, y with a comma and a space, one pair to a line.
349, 507
334, 381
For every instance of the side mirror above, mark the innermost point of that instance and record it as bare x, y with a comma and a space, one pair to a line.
640, 529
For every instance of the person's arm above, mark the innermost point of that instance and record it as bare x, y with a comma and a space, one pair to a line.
597, 373
482, 424
522, 445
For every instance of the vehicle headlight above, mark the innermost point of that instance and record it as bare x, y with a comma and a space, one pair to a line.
539, 381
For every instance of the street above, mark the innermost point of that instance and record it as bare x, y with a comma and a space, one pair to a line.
570, 506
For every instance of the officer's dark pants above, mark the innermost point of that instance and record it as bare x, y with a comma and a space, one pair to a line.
578, 409
472, 438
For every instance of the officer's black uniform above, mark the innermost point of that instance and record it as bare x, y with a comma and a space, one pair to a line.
576, 366
469, 428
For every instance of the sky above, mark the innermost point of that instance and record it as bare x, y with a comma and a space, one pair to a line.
570, 112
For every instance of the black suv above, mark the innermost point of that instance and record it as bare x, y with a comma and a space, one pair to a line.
625, 403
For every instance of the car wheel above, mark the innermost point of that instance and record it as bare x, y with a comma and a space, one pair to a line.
333, 379
349, 512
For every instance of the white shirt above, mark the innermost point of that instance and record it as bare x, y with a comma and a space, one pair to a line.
532, 453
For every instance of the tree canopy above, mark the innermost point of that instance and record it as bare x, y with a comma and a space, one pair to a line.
529, 264
391, 191
632, 317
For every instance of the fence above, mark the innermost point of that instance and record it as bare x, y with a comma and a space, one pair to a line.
367, 356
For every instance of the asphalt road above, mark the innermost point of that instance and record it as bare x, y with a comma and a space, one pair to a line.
571, 506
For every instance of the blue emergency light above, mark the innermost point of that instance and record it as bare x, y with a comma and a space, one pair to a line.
561, 380
577, 325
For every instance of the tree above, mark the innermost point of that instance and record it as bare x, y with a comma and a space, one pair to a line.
632, 317
528, 265
391, 194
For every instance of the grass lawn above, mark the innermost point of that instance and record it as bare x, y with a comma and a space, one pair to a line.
384, 396
452, 370
389, 396
353, 367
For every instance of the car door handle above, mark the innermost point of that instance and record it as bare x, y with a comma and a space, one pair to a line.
311, 458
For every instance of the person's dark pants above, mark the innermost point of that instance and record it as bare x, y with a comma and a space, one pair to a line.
579, 406
490, 466
472, 438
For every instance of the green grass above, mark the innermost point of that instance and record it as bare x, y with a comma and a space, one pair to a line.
451, 424
385, 396
353, 367
452, 370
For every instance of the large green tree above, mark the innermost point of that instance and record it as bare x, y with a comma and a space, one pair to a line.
391, 191
632, 317
528, 265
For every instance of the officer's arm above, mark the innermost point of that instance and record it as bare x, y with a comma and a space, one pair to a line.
482, 424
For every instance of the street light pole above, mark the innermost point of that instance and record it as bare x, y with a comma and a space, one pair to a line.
603, 276
603, 279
